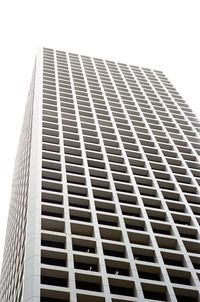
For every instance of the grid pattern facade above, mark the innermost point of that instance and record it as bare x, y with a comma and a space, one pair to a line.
128, 159
119, 206
11, 285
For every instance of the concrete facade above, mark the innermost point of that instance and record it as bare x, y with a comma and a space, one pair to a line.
105, 204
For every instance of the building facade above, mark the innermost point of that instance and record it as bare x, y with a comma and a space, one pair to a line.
105, 204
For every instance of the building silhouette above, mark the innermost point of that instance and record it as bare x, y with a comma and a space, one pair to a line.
105, 204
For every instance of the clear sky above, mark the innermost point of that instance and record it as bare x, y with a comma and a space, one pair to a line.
150, 33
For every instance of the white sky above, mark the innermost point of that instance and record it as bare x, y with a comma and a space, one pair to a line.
153, 33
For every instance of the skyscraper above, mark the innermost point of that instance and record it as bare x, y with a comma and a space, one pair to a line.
105, 203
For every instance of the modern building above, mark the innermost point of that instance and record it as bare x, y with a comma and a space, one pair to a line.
105, 203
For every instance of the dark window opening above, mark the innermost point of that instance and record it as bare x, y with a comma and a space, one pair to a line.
114, 253
143, 257
105, 222
196, 264
159, 296
135, 227
53, 214
54, 281
109, 210
80, 218
180, 280
148, 275
53, 189
82, 248
51, 243
181, 298
156, 218
130, 213
124, 291
45, 299
117, 271
173, 262
53, 261
191, 236
161, 231
86, 266
88, 286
